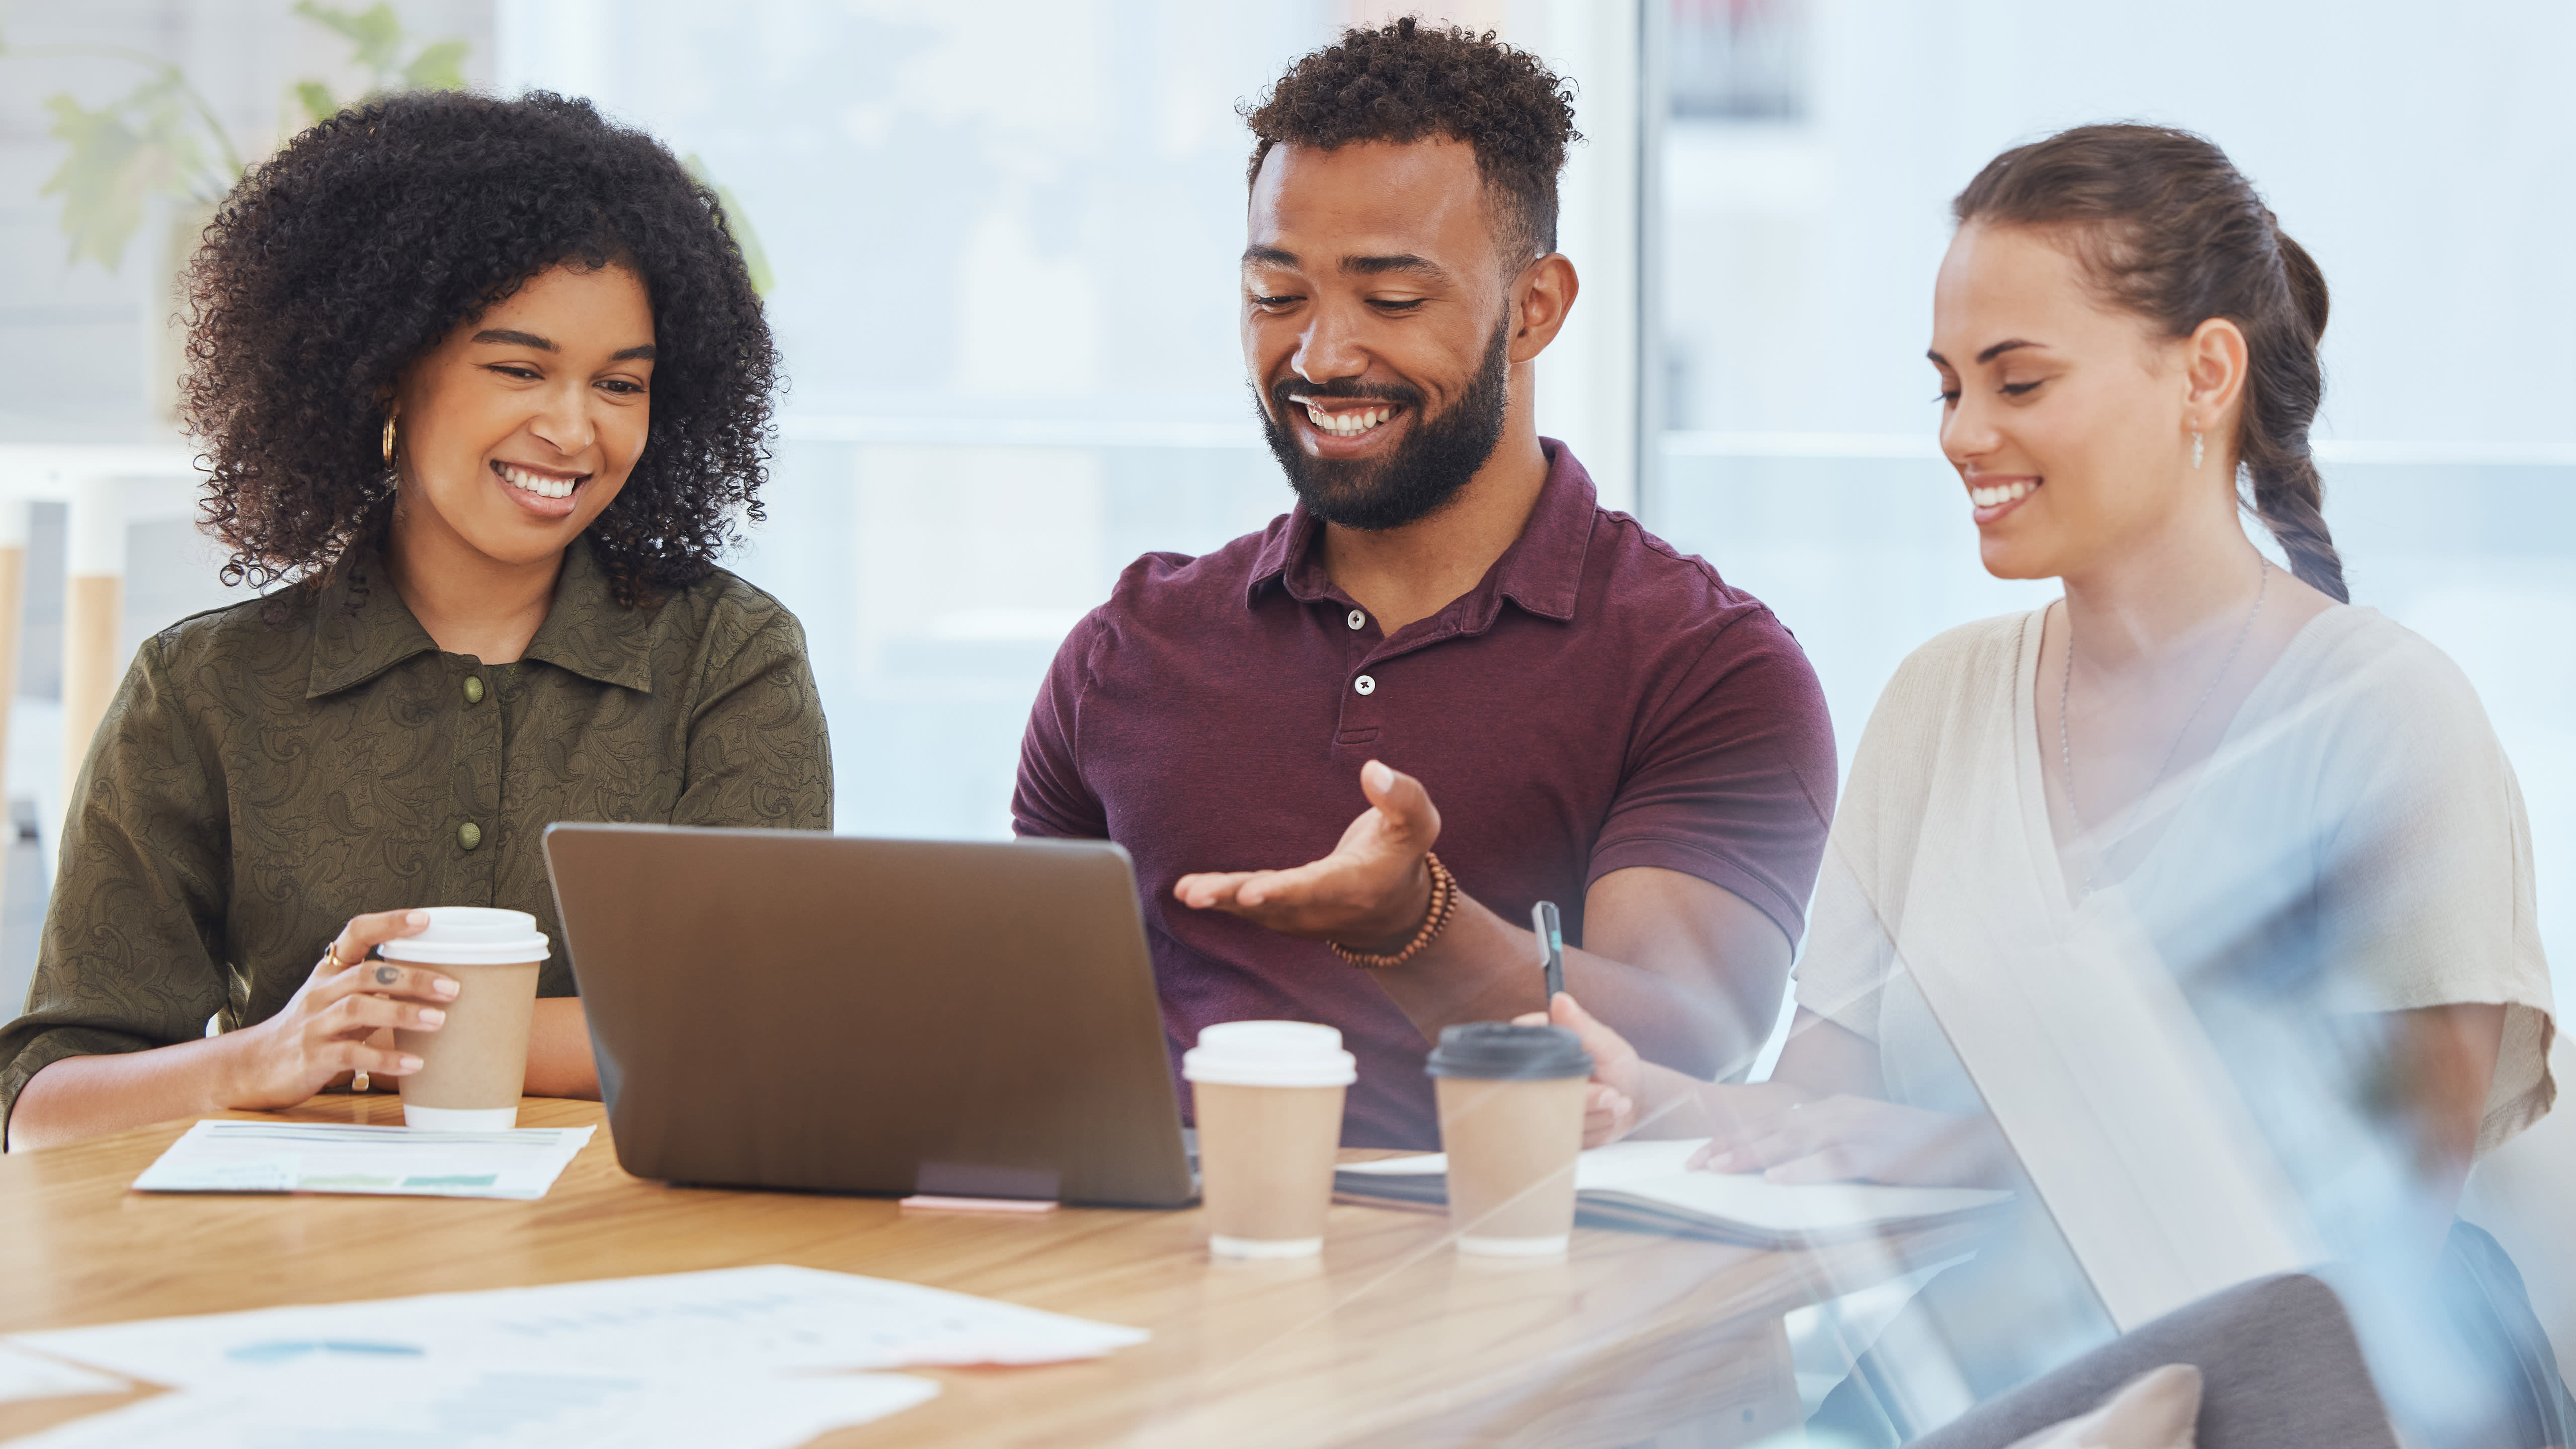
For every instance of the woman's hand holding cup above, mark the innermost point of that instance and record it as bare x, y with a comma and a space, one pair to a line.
1610, 1108
324, 1031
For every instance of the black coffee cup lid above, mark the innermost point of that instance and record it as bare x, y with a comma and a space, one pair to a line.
1502, 1051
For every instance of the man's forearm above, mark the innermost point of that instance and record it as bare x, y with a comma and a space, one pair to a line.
1483, 968
1670, 1104
1686, 1025
1480, 969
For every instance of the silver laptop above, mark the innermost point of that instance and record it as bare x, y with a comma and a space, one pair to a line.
782, 1009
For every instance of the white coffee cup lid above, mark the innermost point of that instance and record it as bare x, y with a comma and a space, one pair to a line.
471, 936
1270, 1054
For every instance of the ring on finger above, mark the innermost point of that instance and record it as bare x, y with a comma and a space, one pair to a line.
331, 955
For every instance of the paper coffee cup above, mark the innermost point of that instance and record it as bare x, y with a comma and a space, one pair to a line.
1269, 1097
1511, 1121
473, 1067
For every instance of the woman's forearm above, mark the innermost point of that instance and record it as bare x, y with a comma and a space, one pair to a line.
90, 1096
559, 1059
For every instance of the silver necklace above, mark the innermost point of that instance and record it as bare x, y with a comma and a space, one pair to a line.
2066, 748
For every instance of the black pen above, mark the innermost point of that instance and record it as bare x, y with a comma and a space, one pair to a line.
1551, 945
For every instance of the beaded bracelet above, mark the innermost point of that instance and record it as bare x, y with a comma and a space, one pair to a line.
1444, 904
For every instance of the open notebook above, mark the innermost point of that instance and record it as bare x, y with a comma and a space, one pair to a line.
1642, 1184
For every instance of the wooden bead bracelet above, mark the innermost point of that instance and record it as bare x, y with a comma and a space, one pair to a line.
1444, 904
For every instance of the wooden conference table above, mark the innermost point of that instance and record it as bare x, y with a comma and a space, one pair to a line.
1390, 1338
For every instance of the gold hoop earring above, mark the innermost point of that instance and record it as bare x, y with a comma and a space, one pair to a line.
389, 441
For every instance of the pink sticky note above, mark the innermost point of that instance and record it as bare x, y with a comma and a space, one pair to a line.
979, 1204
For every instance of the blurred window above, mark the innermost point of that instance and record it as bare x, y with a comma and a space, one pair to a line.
1739, 60
1004, 239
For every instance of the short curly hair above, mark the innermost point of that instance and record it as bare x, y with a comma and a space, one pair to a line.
338, 262
1404, 81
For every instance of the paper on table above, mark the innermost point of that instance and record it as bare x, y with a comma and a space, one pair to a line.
341, 1158
1794, 1210
775, 1318
1652, 1172
494, 1408
25, 1375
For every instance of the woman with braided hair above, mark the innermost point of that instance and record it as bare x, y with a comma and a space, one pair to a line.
483, 388
2200, 799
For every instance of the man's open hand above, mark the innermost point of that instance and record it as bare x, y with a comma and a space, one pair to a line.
1370, 894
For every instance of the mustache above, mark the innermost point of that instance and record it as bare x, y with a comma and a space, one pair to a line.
1342, 389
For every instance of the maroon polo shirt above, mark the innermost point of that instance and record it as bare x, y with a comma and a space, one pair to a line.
1598, 701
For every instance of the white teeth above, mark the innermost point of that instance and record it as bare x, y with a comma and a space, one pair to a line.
1351, 424
1999, 494
525, 481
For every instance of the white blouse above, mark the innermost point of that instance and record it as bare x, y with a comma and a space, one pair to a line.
2359, 816
2355, 845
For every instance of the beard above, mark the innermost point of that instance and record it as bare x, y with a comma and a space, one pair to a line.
1422, 474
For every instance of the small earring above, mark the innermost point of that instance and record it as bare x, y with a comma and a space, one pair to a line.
389, 441
2195, 447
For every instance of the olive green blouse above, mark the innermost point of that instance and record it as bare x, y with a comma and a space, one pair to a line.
257, 782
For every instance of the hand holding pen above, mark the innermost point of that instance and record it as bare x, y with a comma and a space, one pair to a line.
1545, 925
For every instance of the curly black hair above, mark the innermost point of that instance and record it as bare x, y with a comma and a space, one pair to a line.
341, 260
1404, 81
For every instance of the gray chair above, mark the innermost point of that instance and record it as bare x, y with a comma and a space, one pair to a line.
2279, 1364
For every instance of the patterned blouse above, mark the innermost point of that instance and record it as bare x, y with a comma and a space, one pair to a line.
256, 783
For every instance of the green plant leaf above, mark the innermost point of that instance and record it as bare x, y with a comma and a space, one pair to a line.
439, 67
174, 136
164, 138
102, 182
755, 259
315, 98
376, 32
144, 142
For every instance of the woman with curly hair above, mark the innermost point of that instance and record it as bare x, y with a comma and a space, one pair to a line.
482, 384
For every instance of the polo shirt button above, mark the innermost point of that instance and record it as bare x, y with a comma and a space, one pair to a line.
469, 835
1358, 619
1364, 684
473, 689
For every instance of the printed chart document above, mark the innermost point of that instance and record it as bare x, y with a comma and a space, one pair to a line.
335, 1404
26, 1375
343, 1158
774, 1320
1643, 1184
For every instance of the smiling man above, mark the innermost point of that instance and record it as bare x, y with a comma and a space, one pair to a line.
1447, 616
